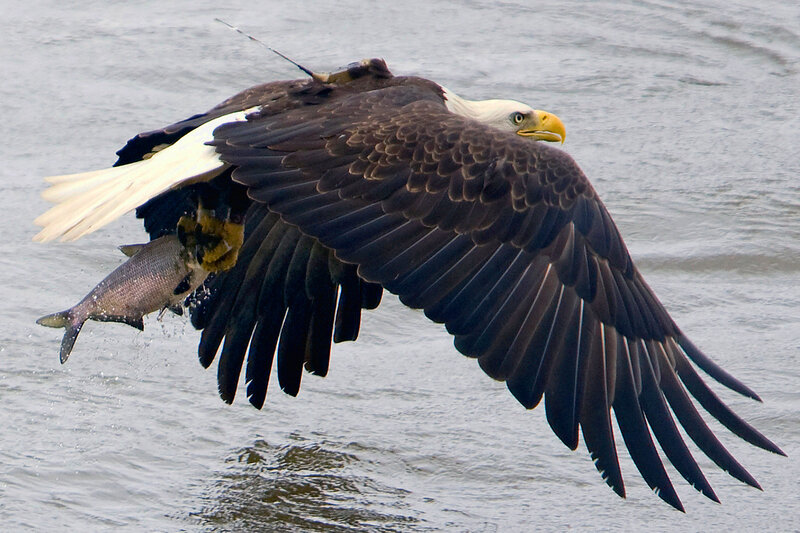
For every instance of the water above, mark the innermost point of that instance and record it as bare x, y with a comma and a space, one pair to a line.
684, 118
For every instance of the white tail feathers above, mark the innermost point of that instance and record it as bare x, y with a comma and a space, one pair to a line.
90, 200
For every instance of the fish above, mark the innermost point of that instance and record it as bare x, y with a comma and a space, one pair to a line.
158, 275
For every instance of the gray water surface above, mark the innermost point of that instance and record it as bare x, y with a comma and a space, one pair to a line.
684, 117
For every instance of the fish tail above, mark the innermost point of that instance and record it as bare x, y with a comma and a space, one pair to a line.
63, 319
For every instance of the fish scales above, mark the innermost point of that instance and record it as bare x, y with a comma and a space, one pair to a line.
144, 284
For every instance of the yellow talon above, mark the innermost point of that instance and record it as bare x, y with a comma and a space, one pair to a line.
224, 254
212, 242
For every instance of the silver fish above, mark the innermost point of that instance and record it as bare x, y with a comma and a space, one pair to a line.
158, 275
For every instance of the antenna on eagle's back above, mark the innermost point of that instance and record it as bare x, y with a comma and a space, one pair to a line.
319, 77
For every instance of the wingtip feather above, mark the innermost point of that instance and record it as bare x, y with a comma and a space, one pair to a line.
714, 370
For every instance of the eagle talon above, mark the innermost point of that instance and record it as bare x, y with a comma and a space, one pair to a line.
214, 243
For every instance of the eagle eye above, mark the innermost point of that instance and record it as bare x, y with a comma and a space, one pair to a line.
517, 118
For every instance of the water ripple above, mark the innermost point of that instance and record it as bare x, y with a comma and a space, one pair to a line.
308, 487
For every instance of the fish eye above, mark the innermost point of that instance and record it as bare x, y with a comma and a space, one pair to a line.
517, 118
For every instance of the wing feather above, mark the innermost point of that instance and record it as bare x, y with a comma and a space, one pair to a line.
262, 352
414, 263
564, 388
666, 432
698, 431
293, 343
634, 430
601, 346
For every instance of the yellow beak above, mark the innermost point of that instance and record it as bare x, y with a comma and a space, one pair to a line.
547, 127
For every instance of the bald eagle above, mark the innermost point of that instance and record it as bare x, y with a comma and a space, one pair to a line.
328, 190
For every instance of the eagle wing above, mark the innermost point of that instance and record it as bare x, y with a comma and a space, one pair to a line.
502, 240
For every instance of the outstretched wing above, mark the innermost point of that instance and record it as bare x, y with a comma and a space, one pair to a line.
502, 240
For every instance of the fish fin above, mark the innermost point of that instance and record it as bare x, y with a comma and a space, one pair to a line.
184, 285
137, 323
176, 309
131, 249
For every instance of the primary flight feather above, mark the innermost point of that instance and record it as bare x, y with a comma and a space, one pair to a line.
329, 190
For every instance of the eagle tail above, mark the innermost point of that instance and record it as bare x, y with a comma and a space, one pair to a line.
90, 200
